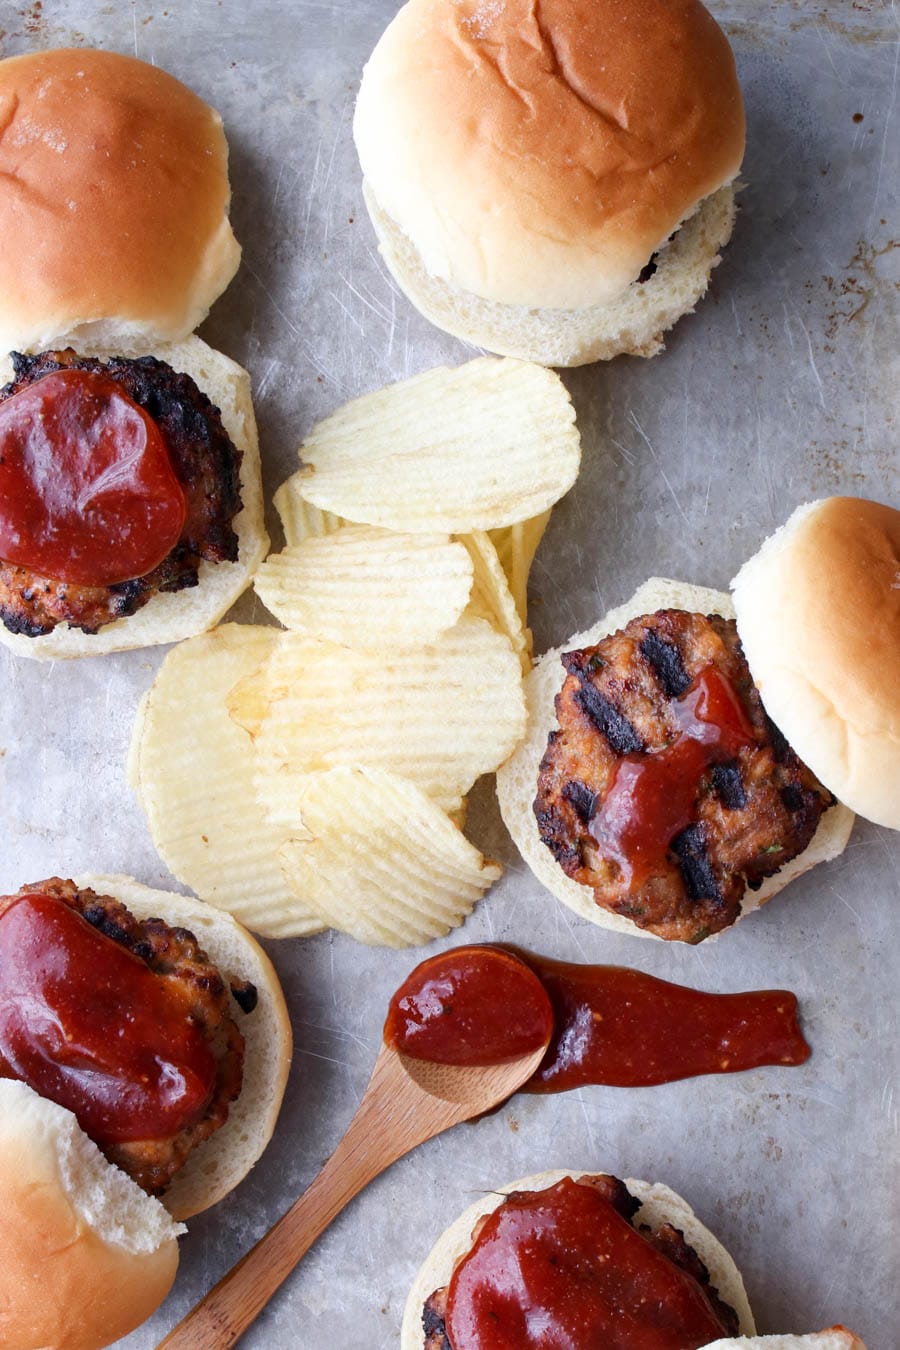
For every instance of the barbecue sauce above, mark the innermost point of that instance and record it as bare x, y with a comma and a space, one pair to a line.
89, 1025
561, 1267
474, 1006
653, 796
610, 1025
88, 493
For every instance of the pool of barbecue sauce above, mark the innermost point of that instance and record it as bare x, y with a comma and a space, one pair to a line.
88, 1024
653, 797
88, 493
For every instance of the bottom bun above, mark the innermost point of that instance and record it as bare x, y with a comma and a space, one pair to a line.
834, 1338
217, 1165
85, 1254
659, 1206
175, 615
633, 324
517, 779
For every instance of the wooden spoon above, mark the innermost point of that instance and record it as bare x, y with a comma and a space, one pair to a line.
406, 1102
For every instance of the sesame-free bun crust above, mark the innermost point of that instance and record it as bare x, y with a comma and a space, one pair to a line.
659, 1205
113, 201
517, 779
216, 1166
537, 155
85, 1255
170, 617
833, 1338
818, 610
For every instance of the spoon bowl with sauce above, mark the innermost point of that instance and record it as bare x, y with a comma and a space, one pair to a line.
443, 1061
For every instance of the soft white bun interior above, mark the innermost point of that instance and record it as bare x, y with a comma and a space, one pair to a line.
834, 1338
114, 186
85, 1254
659, 1205
218, 1165
171, 617
517, 779
818, 611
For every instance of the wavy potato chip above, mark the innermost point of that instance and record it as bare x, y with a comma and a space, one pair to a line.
193, 770
475, 448
299, 518
366, 587
491, 597
441, 715
381, 861
516, 546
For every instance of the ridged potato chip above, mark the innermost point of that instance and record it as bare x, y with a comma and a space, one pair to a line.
369, 588
491, 597
381, 861
193, 767
299, 518
476, 448
440, 715
516, 546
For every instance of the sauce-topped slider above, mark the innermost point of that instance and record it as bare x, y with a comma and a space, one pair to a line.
129, 471
660, 788
576, 1258
552, 182
155, 1019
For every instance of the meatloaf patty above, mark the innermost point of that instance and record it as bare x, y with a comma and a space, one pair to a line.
175, 954
752, 808
206, 463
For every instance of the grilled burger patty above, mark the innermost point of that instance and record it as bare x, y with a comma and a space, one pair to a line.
753, 810
175, 954
206, 463
667, 1239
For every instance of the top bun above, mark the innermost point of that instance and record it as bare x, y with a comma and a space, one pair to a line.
114, 189
85, 1255
539, 157
818, 611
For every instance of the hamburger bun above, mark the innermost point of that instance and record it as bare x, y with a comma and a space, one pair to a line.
818, 608
521, 169
85, 1254
833, 1338
114, 196
517, 779
218, 1165
173, 616
659, 1205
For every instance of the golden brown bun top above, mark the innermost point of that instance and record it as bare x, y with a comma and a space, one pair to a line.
818, 611
538, 151
113, 201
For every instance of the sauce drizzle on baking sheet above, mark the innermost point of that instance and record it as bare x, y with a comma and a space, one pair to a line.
611, 1025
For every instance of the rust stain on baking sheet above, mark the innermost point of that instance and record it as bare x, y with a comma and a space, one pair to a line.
852, 295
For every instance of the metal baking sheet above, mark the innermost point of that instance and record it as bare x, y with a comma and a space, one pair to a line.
780, 388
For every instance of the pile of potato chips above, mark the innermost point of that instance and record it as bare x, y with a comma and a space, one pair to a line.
317, 776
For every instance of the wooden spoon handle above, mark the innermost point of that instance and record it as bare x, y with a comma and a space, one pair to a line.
370, 1144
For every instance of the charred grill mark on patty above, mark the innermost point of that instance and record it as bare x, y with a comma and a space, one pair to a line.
176, 954
667, 1239
206, 462
755, 809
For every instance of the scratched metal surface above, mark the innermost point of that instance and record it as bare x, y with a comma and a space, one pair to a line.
779, 389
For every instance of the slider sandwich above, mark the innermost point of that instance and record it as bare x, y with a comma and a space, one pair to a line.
144, 1050
584, 1259
690, 755
130, 497
552, 182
